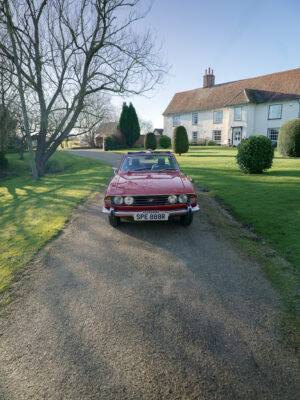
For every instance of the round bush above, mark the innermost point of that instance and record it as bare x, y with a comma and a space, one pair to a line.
289, 139
3, 162
180, 141
255, 154
150, 141
165, 142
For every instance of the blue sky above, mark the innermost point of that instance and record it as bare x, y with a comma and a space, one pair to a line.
238, 39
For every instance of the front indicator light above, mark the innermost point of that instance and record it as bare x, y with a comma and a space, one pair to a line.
182, 198
128, 200
193, 199
118, 200
172, 199
107, 201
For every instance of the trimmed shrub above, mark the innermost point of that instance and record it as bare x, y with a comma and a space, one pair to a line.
112, 143
211, 143
3, 162
165, 142
180, 140
150, 141
255, 154
289, 139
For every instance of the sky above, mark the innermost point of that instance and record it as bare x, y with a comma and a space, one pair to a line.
238, 39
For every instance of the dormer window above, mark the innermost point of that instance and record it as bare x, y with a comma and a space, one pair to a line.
218, 117
176, 119
275, 111
195, 118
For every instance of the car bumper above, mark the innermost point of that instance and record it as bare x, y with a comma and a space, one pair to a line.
125, 214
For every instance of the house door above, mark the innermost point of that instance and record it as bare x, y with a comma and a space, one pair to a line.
236, 135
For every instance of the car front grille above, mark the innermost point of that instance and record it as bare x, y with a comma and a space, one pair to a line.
157, 200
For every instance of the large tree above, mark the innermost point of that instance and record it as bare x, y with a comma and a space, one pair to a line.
129, 124
64, 51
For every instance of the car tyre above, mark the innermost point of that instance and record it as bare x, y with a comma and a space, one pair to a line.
187, 219
114, 221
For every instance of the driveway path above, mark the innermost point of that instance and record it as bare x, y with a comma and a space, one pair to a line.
147, 311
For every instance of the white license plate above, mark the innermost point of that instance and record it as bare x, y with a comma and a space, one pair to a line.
151, 216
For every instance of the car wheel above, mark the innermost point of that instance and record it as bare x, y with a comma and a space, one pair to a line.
114, 221
187, 219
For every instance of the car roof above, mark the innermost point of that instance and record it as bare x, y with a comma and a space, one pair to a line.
147, 152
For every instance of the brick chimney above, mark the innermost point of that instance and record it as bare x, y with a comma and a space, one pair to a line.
208, 78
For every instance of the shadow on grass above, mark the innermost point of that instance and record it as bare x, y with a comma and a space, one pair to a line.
32, 212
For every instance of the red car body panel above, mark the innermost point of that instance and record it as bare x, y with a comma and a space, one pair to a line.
143, 184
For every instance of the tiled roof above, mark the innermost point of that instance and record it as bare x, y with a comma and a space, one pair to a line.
273, 87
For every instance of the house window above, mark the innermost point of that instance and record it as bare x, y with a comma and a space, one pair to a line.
275, 111
237, 113
217, 136
273, 134
218, 117
176, 119
195, 118
195, 137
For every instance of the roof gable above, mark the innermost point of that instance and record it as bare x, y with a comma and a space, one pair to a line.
273, 87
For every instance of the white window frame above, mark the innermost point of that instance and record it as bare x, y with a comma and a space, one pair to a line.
234, 113
269, 134
274, 105
218, 132
216, 118
194, 118
195, 139
176, 119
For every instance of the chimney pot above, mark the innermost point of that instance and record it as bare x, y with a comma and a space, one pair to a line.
209, 78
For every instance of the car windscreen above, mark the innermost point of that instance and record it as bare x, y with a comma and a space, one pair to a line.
151, 162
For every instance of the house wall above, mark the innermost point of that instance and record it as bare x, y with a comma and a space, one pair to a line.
290, 110
254, 121
205, 126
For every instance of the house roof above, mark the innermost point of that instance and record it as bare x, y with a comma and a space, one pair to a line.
273, 87
159, 131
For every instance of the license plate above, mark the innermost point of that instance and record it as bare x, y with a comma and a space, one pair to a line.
151, 216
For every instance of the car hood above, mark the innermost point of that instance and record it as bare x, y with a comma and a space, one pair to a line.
150, 184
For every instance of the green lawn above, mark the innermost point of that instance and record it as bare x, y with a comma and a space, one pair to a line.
270, 202
31, 212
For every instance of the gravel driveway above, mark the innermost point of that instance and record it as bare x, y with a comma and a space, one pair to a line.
147, 311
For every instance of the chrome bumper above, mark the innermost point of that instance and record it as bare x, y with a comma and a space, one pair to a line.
171, 213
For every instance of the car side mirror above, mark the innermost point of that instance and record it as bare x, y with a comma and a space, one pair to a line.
115, 170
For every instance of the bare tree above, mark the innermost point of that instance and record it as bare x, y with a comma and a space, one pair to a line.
97, 109
64, 51
146, 126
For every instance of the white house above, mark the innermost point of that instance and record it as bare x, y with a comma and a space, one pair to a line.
229, 112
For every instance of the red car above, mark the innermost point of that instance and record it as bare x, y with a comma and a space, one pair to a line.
148, 186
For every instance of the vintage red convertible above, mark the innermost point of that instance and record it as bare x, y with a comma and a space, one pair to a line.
149, 186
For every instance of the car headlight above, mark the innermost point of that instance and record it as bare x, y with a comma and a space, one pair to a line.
172, 199
118, 200
128, 200
182, 198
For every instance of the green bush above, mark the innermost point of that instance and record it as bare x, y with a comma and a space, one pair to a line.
255, 154
150, 141
180, 140
112, 143
165, 142
211, 143
289, 139
3, 162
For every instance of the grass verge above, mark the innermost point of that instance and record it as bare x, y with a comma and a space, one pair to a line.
32, 213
